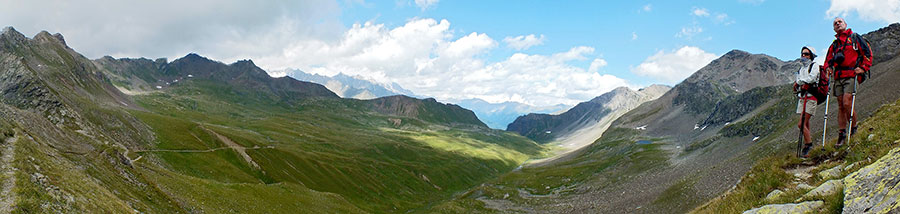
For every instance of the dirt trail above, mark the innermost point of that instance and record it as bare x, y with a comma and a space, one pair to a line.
237, 147
7, 198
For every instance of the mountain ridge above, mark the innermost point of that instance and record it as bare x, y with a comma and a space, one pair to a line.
546, 128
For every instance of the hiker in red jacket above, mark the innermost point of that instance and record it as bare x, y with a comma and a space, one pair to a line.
848, 57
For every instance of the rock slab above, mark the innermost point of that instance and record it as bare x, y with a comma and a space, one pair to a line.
874, 188
801, 208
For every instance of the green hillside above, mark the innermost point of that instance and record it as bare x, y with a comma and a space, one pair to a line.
224, 140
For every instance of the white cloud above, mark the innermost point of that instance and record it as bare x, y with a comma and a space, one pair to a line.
225, 30
689, 32
868, 10
425, 4
425, 57
701, 12
647, 8
596, 65
634, 36
523, 42
673, 67
722, 18
469, 45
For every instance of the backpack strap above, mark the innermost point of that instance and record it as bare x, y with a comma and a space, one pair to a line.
862, 48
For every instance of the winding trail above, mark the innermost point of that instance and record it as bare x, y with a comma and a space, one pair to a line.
7, 198
241, 150
237, 148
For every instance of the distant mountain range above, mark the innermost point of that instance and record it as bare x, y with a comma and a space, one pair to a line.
352, 87
606, 107
500, 115
495, 115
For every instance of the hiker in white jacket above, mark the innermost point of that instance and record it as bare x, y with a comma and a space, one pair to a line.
806, 78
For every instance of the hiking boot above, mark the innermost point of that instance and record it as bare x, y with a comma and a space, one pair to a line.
805, 152
842, 136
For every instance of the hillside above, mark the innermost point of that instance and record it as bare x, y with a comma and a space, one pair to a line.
222, 138
546, 127
701, 139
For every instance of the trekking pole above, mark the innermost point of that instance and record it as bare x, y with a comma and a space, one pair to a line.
852, 105
800, 138
827, 98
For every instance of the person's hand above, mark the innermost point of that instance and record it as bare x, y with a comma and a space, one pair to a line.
859, 70
829, 70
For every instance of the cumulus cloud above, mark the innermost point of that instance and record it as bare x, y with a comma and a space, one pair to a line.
673, 67
597, 64
425, 4
869, 10
523, 42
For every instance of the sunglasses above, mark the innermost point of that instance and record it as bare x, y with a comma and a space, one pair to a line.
804, 54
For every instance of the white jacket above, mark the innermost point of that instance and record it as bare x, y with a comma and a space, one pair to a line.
805, 75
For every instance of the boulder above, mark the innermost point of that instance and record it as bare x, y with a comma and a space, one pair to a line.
828, 188
772, 196
805, 207
831, 173
874, 188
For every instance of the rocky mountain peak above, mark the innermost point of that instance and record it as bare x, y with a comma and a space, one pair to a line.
735, 53
193, 57
245, 62
10, 33
45, 36
741, 71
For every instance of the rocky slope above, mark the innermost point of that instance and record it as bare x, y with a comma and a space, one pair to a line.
547, 128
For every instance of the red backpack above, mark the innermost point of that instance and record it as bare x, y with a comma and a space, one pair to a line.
820, 90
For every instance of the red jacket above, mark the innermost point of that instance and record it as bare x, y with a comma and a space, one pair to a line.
851, 51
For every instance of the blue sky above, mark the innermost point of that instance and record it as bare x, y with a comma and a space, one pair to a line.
777, 28
540, 53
